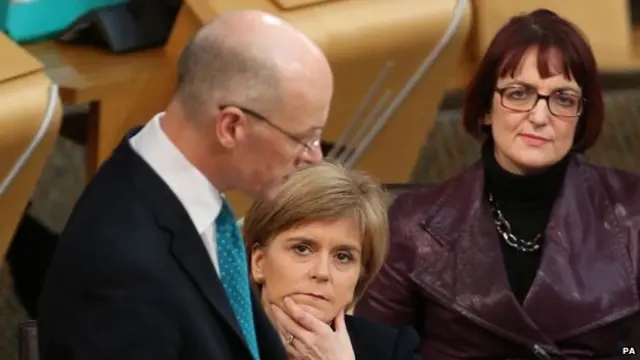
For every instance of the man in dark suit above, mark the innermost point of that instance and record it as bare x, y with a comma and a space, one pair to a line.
150, 264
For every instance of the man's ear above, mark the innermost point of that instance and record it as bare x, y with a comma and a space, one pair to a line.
257, 264
228, 126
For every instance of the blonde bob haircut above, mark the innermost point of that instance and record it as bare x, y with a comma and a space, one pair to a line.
325, 192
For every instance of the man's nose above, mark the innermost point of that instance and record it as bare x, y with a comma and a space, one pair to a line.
311, 156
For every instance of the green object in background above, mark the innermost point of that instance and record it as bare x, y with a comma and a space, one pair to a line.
4, 7
35, 20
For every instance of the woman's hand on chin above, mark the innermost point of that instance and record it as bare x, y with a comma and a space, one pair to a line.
307, 338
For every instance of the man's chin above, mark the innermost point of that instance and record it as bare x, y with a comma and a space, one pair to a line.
271, 189
270, 192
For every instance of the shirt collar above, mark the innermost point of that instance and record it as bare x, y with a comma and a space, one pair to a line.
200, 198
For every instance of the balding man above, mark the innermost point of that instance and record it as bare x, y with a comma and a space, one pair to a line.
150, 264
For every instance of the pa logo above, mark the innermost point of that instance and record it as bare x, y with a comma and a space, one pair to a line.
628, 350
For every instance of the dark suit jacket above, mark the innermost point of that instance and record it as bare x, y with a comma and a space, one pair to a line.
131, 279
375, 341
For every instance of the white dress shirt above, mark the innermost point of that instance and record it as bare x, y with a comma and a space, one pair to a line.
200, 198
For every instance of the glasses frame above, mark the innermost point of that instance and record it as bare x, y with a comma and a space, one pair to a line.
539, 96
308, 146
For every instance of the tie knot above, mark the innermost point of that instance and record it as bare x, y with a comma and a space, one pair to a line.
226, 216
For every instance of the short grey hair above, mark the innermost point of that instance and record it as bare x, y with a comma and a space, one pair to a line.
212, 70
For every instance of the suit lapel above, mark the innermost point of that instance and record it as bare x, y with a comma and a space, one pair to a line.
186, 245
463, 267
189, 251
192, 255
573, 251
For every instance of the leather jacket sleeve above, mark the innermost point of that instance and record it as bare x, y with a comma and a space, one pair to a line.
391, 297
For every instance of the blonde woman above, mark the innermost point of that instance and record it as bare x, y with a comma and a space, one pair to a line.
313, 250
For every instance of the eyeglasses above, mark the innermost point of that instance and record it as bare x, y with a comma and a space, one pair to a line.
524, 99
309, 146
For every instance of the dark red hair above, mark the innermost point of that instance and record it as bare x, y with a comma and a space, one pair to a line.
548, 32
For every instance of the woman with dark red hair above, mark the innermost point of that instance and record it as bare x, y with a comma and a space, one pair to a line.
530, 251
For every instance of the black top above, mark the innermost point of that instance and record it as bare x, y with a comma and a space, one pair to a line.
376, 341
526, 202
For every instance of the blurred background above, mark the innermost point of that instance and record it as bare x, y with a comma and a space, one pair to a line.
113, 62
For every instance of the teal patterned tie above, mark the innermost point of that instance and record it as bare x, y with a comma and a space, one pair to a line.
234, 275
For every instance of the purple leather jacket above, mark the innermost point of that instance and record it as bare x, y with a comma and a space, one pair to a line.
445, 273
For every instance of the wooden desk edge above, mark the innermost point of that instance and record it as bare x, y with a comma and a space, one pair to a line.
73, 92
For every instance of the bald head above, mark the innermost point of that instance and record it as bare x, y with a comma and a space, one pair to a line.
248, 58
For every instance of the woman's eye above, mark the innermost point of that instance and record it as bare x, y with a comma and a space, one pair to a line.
566, 100
301, 249
344, 257
517, 93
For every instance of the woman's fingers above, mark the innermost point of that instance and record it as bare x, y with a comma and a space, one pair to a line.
339, 323
288, 325
281, 331
308, 321
295, 349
